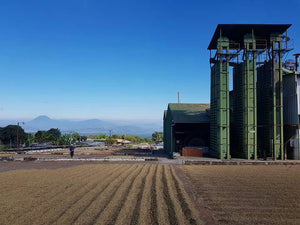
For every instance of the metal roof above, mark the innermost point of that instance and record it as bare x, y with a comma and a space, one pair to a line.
189, 113
236, 32
165, 113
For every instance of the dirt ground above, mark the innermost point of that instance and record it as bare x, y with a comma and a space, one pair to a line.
7, 166
248, 194
82, 153
95, 194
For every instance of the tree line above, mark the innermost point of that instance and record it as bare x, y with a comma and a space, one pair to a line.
54, 136
113, 138
10, 134
156, 137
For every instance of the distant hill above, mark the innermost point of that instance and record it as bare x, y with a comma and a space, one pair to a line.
89, 127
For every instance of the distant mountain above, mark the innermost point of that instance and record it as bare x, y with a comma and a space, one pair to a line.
4, 123
92, 126
45, 123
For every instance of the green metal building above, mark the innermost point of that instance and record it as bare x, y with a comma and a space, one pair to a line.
253, 54
270, 97
185, 125
247, 121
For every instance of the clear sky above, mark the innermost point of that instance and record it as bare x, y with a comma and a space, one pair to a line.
117, 60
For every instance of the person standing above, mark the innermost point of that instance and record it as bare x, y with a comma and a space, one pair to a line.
72, 148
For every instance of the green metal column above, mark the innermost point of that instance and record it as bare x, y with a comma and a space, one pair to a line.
278, 144
250, 114
220, 120
245, 103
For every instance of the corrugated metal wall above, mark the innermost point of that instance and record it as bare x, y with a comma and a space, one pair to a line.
244, 125
264, 109
291, 115
270, 120
238, 109
219, 113
290, 100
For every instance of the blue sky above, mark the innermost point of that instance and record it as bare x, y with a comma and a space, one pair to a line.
115, 60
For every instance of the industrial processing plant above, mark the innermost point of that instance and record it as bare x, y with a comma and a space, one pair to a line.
258, 117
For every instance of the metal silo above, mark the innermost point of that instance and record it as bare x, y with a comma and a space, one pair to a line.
219, 113
291, 115
254, 52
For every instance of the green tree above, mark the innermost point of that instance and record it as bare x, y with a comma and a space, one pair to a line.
2, 147
42, 136
8, 135
54, 134
115, 136
99, 136
83, 138
64, 139
110, 141
75, 137
147, 140
30, 139
157, 136
135, 139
